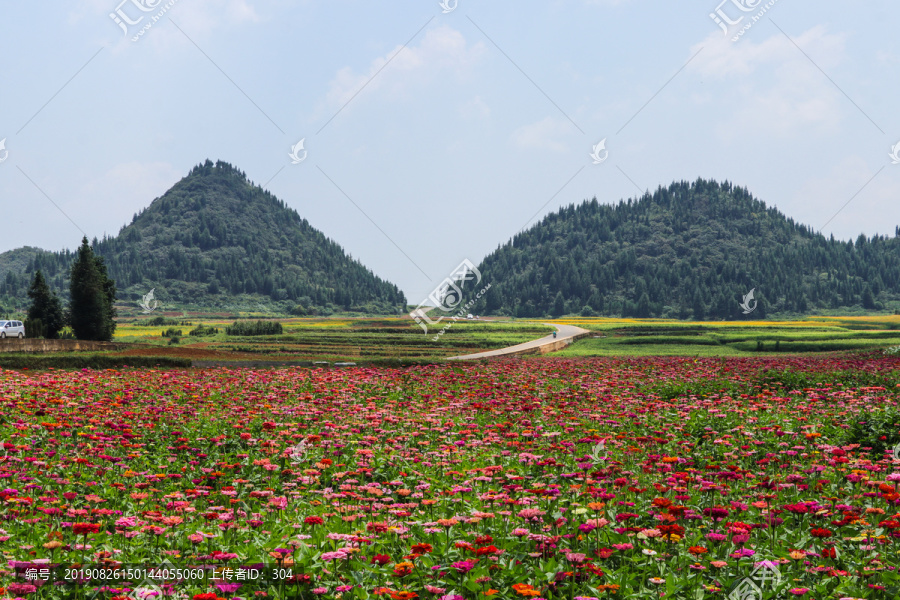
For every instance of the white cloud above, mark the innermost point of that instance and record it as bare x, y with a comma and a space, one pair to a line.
442, 49
545, 134
720, 57
776, 91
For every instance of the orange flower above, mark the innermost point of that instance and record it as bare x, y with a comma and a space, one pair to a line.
523, 589
491, 592
403, 595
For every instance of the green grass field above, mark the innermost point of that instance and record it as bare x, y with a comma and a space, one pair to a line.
338, 339
650, 337
398, 340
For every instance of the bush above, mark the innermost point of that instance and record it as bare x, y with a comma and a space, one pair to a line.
160, 321
200, 330
174, 340
171, 333
88, 361
878, 430
34, 328
257, 328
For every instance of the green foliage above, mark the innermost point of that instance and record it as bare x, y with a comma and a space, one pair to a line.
215, 233
45, 315
200, 330
87, 361
689, 250
257, 328
160, 321
172, 333
879, 430
34, 328
93, 294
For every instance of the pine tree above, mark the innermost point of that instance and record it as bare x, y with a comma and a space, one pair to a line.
92, 309
559, 305
45, 307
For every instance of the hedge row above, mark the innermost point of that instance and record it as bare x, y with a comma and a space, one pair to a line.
88, 361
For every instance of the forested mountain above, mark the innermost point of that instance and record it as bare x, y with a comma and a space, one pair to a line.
210, 239
687, 251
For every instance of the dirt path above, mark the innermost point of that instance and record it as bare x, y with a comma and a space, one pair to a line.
566, 334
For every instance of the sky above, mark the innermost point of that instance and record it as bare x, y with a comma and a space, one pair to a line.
432, 133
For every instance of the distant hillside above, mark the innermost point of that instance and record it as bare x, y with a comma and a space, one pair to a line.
689, 251
213, 238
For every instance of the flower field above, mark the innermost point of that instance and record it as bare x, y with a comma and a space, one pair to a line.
551, 478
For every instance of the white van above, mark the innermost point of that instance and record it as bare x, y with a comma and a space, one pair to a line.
12, 329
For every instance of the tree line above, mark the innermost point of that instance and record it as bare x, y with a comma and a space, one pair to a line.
216, 234
692, 250
91, 311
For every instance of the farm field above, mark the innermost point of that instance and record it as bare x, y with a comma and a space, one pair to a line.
653, 337
334, 339
395, 338
554, 478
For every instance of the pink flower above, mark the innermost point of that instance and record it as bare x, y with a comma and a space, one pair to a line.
126, 522
464, 566
327, 556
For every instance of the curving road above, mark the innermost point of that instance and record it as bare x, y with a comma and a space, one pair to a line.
566, 334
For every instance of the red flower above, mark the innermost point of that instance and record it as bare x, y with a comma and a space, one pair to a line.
85, 528
381, 559
314, 520
671, 529
820, 532
486, 550
422, 548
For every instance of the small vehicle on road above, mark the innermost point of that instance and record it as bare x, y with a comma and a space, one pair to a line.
12, 329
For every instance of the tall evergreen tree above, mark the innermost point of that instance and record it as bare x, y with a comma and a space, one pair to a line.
559, 305
45, 307
92, 309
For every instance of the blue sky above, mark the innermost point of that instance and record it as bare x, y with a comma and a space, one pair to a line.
432, 137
